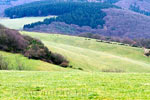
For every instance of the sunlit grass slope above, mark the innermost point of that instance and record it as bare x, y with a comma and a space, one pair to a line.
95, 56
20, 22
73, 85
15, 60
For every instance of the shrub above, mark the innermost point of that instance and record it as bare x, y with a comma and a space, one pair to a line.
37, 50
99, 41
12, 41
128, 41
59, 60
64, 64
80, 68
96, 36
121, 44
134, 45
116, 70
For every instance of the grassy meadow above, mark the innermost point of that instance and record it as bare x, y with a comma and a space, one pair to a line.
101, 71
109, 72
73, 85
90, 55
20, 22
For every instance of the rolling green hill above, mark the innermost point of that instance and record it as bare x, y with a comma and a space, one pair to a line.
84, 54
44, 81
100, 71
95, 56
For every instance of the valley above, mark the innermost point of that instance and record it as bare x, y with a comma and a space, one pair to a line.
74, 50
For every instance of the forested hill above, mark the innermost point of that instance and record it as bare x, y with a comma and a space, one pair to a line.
107, 21
44, 8
118, 23
82, 14
81, 17
10, 3
140, 6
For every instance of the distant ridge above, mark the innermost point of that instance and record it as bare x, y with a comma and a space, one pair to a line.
140, 6
10, 3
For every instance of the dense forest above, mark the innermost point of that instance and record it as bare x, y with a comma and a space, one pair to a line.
82, 14
44, 8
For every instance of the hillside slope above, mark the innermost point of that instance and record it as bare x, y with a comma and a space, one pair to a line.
130, 24
83, 54
125, 23
90, 55
142, 4
118, 22
15, 44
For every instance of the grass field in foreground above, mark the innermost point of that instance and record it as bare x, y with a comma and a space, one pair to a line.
95, 56
20, 22
73, 85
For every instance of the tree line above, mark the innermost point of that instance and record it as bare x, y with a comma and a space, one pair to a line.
12, 41
140, 42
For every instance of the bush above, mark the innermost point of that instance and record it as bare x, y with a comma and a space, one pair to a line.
12, 41
37, 50
59, 60
121, 44
116, 70
80, 69
99, 40
64, 64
